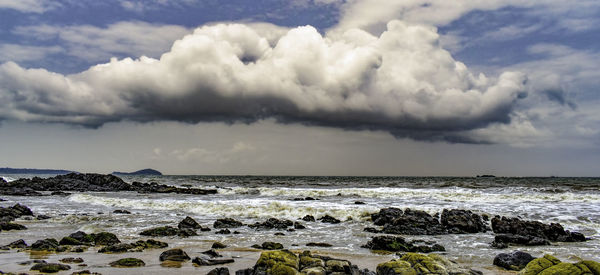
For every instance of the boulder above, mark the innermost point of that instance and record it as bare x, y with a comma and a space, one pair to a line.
212, 253
82, 237
71, 260
386, 215
328, 219
218, 245
516, 260
551, 265
413, 263
224, 231
273, 223
22, 210
308, 218
219, 271
50, 267
396, 243
319, 244
269, 246
17, 244
551, 232
205, 261
117, 248
281, 262
176, 255
7, 226
105, 238
414, 222
45, 245
121, 211
462, 221
227, 223
162, 231
189, 223
128, 262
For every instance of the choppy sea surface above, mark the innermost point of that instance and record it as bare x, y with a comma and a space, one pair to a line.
573, 202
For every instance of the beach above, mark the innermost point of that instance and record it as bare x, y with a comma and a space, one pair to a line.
572, 202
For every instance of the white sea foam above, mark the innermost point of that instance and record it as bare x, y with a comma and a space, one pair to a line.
248, 208
7, 179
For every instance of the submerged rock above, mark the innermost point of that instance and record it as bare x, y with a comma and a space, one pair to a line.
413, 263
395, 244
128, 262
50, 267
121, 211
7, 226
516, 260
328, 219
176, 255
551, 265
227, 223
319, 244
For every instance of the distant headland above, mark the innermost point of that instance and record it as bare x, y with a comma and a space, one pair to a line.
143, 172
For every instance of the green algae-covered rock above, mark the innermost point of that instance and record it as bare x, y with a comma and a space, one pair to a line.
105, 238
50, 267
277, 262
415, 263
549, 265
161, 231
128, 262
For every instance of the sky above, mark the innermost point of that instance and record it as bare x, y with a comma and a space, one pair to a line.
302, 87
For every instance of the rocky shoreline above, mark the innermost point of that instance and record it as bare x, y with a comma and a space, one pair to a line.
390, 228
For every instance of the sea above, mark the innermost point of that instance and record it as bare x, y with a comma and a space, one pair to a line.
572, 202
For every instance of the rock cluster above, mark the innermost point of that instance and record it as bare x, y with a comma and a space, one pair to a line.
413, 263
551, 265
517, 231
395, 244
416, 222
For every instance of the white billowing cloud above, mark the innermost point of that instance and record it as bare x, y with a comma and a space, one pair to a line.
402, 82
237, 152
144, 5
14, 52
28, 6
96, 44
373, 14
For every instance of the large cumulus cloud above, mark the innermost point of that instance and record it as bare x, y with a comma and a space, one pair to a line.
401, 81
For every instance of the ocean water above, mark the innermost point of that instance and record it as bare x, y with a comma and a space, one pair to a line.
573, 202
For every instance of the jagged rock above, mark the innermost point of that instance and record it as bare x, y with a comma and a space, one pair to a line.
204, 261
7, 226
516, 260
462, 221
414, 222
45, 245
227, 223
551, 232
50, 267
413, 263
273, 223
395, 243
551, 265
386, 215
308, 218
22, 210
328, 219
219, 271
105, 238
189, 223
218, 245
176, 255
128, 262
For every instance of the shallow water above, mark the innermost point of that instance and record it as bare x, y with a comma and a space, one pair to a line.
574, 202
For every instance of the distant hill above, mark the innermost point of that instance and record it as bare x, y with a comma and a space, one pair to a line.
7, 170
143, 172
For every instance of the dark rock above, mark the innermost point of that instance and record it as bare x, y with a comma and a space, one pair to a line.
386, 215
279, 234
516, 260
17, 244
308, 218
32, 262
60, 193
277, 262
128, 262
6, 226
395, 243
414, 222
204, 261
273, 223
120, 211
218, 245
372, 230
176, 255
227, 223
71, 241
105, 238
117, 248
22, 210
530, 229
162, 231
150, 243
328, 219
133, 247
189, 223
247, 271
414, 263
319, 244
71, 260
359, 202
187, 232
519, 240
85, 272
143, 172
223, 231
219, 271
462, 221
212, 253
298, 225
82, 237
45, 245
50, 267
271, 246
42, 217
